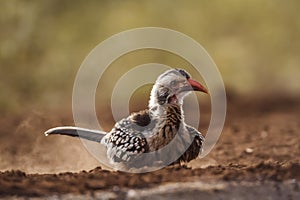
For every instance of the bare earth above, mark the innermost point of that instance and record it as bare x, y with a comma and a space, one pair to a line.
257, 156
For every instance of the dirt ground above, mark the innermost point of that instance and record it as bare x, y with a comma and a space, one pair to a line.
260, 145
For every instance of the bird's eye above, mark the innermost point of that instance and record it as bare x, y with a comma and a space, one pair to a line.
173, 83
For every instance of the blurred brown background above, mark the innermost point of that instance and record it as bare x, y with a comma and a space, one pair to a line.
254, 43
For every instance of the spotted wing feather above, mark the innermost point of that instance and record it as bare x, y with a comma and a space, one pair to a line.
126, 139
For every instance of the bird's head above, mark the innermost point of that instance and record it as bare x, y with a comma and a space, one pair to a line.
172, 86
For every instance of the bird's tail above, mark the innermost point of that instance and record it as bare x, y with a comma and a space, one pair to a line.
88, 134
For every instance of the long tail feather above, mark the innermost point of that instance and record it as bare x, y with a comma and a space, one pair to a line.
93, 135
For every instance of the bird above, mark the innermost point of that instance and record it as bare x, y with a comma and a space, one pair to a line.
152, 137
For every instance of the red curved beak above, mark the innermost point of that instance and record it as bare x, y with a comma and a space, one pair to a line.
197, 86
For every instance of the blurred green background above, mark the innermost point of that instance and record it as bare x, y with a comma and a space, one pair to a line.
254, 43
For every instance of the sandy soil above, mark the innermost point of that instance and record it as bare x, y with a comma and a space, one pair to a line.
260, 145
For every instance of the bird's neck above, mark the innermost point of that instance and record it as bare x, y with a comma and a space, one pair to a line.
167, 112
162, 111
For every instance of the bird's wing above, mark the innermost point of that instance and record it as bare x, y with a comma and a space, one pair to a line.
126, 139
93, 135
194, 132
141, 118
195, 148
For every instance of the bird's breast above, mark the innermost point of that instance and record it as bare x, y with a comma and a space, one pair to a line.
166, 128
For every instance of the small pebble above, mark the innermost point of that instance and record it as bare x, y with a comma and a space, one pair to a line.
249, 150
